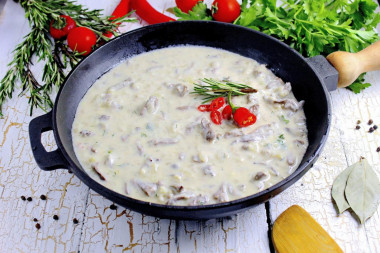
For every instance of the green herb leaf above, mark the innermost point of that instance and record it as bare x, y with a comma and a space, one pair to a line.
363, 190
282, 117
199, 12
338, 188
359, 85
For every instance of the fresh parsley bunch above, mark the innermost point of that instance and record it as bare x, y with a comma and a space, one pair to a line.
311, 27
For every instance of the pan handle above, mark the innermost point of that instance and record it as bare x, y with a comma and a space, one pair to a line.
325, 71
45, 160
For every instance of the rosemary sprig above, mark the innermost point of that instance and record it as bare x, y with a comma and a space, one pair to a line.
210, 89
57, 58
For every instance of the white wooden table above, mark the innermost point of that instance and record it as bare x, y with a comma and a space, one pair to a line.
101, 229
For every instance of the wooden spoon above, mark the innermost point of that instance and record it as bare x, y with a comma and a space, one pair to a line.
296, 231
351, 65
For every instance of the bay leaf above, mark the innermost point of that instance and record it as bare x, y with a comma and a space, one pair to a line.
338, 188
363, 190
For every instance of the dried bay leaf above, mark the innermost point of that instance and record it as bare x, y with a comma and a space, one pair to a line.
363, 190
338, 188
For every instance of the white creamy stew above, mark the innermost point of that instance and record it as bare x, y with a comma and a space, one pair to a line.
138, 131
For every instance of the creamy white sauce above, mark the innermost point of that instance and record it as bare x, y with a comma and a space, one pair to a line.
138, 132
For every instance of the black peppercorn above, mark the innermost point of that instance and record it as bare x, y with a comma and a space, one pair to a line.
357, 127
375, 127
29, 199
23, 198
75, 220
378, 149
370, 122
113, 207
370, 130
43, 197
55, 217
358, 122
38, 226
35, 220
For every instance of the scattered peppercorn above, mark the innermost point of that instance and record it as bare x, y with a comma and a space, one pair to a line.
29, 199
35, 220
23, 198
55, 217
113, 207
375, 127
70, 172
75, 220
370, 130
358, 122
357, 127
38, 226
378, 149
43, 197
370, 122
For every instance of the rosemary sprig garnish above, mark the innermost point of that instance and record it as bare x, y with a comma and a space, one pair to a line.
55, 54
210, 89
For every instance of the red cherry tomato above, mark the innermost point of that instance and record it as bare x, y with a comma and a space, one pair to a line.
186, 5
81, 39
216, 104
244, 117
60, 28
216, 117
225, 10
204, 108
227, 112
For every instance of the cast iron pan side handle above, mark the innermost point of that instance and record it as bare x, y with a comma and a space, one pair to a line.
325, 71
45, 160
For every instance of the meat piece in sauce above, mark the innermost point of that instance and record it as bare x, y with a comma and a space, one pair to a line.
290, 104
165, 141
208, 171
208, 133
181, 89
86, 133
258, 134
222, 194
182, 196
199, 200
148, 188
97, 171
151, 105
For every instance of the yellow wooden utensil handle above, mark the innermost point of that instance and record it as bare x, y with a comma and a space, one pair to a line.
351, 65
295, 231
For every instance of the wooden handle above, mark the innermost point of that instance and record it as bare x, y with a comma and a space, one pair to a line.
351, 65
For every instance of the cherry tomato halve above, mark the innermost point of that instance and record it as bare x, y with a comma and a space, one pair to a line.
216, 117
81, 39
186, 5
244, 117
225, 10
227, 112
204, 108
217, 103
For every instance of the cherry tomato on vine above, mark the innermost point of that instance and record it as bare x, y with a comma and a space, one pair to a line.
225, 10
186, 5
61, 27
81, 39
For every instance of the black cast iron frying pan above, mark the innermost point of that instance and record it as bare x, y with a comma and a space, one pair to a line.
307, 76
